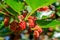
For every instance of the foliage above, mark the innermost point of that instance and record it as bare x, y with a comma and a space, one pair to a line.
14, 8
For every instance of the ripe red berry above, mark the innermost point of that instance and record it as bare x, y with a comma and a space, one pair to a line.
33, 18
40, 30
36, 34
31, 23
43, 8
40, 9
6, 21
22, 25
37, 28
14, 26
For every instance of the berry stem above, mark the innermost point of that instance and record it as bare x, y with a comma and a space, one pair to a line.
2, 5
4, 13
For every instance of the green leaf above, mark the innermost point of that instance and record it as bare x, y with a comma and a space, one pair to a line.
35, 4
15, 5
12, 11
47, 24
